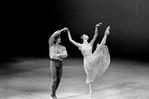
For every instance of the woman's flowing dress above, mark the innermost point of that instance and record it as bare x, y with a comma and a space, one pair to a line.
96, 62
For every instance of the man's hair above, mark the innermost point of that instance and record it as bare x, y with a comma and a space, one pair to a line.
55, 40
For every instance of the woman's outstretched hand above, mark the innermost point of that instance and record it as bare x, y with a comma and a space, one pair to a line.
99, 24
65, 29
58, 32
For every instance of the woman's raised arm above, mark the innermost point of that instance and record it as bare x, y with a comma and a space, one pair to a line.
95, 33
71, 40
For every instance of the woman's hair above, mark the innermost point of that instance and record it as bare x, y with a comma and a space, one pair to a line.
82, 37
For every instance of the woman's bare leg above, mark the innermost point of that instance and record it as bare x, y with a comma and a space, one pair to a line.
91, 89
105, 36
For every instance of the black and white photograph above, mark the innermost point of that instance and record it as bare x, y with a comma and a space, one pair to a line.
74, 49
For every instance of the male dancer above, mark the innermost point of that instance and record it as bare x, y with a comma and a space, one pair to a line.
56, 53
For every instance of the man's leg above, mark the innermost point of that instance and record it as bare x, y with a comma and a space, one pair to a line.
54, 76
59, 73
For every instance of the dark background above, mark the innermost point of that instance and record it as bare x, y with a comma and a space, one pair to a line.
28, 24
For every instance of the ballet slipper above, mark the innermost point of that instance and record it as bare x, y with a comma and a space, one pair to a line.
107, 30
53, 96
91, 93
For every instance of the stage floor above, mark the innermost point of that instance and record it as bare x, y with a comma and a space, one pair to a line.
30, 78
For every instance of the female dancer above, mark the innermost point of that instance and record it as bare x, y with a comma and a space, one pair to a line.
96, 62
56, 53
